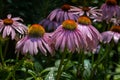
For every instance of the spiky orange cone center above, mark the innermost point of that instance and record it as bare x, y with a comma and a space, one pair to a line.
111, 2
65, 7
69, 24
84, 20
8, 21
85, 9
115, 29
36, 30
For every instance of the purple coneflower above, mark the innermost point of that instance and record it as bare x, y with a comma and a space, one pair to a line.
91, 34
110, 9
11, 26
49, 25
114, 34
91, 12
57, 16
68, 36
36, 40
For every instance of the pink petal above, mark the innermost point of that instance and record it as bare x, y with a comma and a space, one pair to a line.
17, 18
9, 16
42, 49
35, 50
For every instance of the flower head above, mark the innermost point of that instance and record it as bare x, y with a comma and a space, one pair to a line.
110, 9
11, 26
57, 16
84, 20
68, 36
49, 25
36, 40
69, 24
111, 2
91, 12
36, 31
114, 34
91, 34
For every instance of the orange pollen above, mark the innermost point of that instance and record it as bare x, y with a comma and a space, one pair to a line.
111, 2
115, 29
85, 9
84, 20
36, 30
8, 21
65, 7
69, 24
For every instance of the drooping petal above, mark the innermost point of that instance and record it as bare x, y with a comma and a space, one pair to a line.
4, 32
13, 34
17, 18
116, 37
41, 48
35, 50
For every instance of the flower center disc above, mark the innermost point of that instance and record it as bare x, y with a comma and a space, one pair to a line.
36, 30
8, 21
65, 7
84, 20
115, 29
69, 24
111, 2
85, 9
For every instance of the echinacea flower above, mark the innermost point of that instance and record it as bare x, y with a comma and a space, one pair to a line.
36, 40
91, 34
11, 27
91, 12
57, 16
112, 34
49, 25
68, 36
110, 9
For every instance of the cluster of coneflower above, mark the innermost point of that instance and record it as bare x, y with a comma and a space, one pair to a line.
71, 28
67, 28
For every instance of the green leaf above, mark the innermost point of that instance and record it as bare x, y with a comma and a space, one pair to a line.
38, 66
57, 63
49, 69
87, 68
50, 75
29, 78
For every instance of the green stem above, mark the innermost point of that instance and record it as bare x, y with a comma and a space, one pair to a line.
80, 67
60, 66
92, 71
68, 59
16, 66
1, 55
6, 47
26, 74
99, 60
